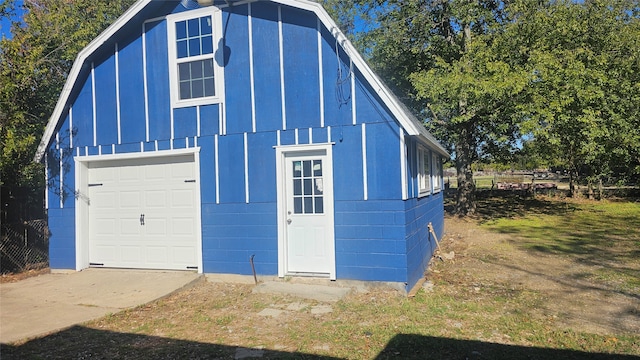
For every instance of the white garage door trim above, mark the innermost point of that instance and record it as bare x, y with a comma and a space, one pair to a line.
82, 207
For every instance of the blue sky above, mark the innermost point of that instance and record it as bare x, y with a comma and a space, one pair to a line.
5, 22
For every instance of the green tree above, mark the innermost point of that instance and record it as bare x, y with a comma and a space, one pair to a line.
585, 87
34, 64
448, 61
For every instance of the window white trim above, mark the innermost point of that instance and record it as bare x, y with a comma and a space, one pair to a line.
423, 166
217, 56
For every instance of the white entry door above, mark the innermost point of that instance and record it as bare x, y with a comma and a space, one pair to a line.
142, 213
308, 213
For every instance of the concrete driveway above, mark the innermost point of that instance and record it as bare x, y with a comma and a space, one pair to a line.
51, 302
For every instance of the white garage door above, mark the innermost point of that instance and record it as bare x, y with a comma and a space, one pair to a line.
142, 213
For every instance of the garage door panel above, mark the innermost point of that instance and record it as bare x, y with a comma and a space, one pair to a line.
155, 199
107, 253
131, 255
183, 198
129, 174
183, 255
106, 226
155, 187
157, 255
106, 200
130, 226
129, 199
155, 226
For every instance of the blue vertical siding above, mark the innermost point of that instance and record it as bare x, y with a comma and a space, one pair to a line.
237, 72
262, 171
159, 98
266, 66
347, 163
83, 115
207, 170
53, 176
62, 244
209, 119
420, 245
370, 240
64, 134
300, 53
337, 89
130, 69
106, 111
231, 166
383, 161
68, 178
233, 232
185, 122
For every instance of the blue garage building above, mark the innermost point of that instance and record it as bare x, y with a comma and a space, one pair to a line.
191, 137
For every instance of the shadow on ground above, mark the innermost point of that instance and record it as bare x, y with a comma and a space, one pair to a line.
411, 346
84, 343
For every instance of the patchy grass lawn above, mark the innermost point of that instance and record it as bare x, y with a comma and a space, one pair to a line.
545, 279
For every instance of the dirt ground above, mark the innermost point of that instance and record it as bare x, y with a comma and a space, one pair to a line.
570, 296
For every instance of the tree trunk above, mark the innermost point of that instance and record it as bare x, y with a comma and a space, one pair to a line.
573, 175
466, 194
465, 147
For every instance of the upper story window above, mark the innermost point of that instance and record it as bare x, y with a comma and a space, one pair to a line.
424, 170
196, 76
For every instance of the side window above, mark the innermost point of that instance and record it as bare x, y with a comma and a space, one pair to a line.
437, 173
424, 170
196, 76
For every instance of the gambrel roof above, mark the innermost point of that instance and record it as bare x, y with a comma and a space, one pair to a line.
411, 125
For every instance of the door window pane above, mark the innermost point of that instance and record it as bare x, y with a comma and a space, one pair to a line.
307, 168
307, 187
317, 167
308, 205
297, 187
297, 169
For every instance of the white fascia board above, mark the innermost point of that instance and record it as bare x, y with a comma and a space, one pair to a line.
408, 121
82, 57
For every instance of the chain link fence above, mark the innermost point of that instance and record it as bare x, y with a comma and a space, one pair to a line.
24, 246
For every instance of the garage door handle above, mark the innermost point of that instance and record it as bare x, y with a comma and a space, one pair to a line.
141, 219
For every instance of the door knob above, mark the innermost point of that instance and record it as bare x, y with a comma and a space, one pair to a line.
288, 221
